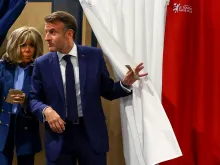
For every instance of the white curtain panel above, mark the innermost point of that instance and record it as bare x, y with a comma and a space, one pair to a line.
130, 32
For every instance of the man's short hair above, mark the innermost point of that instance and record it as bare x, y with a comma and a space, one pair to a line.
68, 20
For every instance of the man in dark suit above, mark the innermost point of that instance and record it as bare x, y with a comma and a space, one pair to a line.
67, 85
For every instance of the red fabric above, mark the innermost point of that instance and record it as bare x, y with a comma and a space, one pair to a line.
191, 80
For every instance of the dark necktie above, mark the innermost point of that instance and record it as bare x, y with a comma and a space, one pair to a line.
72, 112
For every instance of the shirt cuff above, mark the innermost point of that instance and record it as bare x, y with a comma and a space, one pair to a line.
44, 118
126, 88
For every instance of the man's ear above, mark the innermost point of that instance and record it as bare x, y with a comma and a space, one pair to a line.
70, 33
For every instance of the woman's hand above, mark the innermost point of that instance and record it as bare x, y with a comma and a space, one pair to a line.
18, 98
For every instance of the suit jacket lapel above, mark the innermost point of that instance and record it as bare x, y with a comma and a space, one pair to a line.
82, 71
55, 68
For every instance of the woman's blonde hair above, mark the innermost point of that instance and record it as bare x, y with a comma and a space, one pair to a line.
18, 38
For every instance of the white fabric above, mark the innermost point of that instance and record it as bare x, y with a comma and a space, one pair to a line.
130, 32
74, 60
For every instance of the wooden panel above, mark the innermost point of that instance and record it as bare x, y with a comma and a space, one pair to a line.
86, 32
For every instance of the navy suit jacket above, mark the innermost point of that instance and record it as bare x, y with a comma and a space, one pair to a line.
48, 90
27, 137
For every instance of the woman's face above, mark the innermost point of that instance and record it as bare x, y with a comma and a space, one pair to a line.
27, 52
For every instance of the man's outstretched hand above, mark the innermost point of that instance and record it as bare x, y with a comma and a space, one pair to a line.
130, 77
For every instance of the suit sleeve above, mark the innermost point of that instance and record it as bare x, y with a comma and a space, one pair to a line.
110, 90
37, 93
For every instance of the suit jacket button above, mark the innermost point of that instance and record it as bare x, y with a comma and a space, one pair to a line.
26, 128
7, 125
2, 110
9, 112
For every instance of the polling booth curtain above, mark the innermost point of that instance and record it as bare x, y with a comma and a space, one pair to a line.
9, 12
191, 79
130, 32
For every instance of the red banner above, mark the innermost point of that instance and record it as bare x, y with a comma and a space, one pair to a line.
191, 79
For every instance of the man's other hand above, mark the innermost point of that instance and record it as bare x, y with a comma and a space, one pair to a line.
54, 120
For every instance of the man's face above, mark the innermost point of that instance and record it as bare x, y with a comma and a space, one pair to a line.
55, 36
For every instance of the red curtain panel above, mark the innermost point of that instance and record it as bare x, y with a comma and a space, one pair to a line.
191, 79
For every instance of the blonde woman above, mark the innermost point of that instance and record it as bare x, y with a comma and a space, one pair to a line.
19, 130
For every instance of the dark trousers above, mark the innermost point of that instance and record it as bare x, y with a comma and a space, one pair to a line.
77, 148
6, 157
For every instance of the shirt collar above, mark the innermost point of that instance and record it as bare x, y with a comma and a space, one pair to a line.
23, 68
73, 52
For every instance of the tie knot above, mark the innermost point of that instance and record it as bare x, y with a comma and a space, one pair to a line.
67, 58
